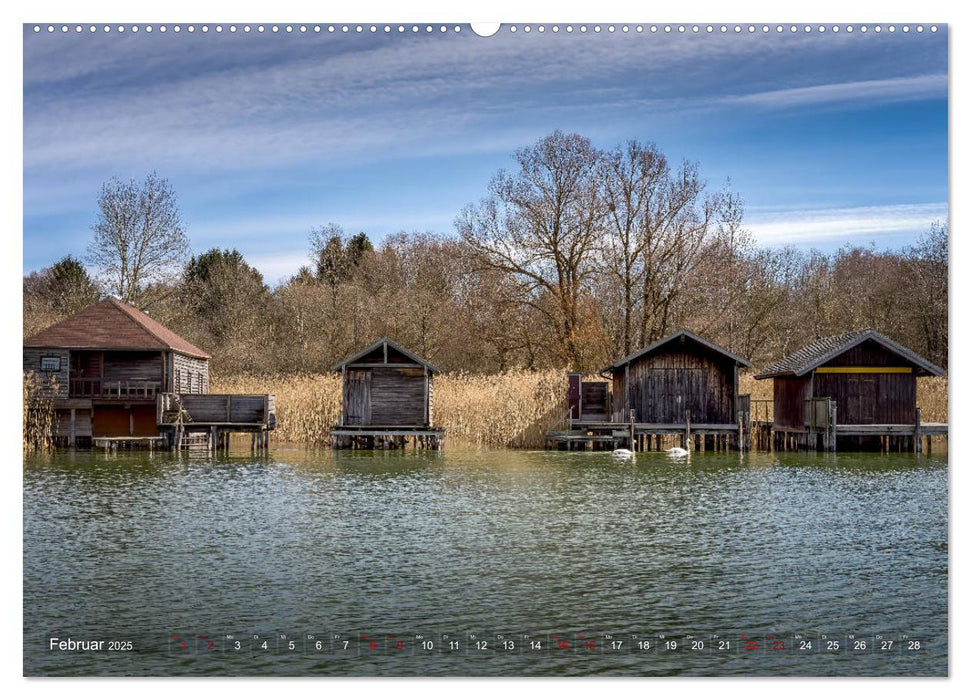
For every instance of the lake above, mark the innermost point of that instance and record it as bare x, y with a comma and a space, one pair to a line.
157, 550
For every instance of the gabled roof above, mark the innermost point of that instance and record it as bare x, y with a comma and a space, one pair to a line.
675, 336
112, 325
823, 350
392, 345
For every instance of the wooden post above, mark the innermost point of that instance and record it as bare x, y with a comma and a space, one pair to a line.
74, 426
917, 445
741, 432
687, 430
633, 447
832, 422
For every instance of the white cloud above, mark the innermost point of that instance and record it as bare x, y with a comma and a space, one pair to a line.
843, 224
890, 90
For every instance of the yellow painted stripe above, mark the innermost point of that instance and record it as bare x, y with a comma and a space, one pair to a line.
863, 370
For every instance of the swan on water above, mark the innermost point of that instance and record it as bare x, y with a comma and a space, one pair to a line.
622, 453
677, 452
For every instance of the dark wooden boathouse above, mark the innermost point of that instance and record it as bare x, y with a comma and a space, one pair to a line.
387, 398
682, 385
858, 388
115, 375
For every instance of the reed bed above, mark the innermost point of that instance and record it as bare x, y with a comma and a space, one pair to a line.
307, 405
511, 409
39, 418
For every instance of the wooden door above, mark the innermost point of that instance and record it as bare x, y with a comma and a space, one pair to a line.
357, 397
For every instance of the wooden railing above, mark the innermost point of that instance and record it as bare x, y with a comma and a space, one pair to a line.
100, 388
249, 409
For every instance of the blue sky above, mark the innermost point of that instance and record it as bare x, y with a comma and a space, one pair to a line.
828, 138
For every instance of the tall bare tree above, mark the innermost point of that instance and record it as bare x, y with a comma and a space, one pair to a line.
541, 224
139, 238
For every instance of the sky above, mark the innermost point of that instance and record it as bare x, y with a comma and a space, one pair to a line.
828, 138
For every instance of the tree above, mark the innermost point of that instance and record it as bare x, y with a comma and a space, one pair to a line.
541, 224
226, 299
139, 238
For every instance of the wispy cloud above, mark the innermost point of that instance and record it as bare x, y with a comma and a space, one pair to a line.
843, 224
919, 87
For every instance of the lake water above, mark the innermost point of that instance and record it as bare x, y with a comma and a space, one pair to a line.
160, 549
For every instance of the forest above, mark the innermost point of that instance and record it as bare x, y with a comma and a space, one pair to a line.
573, 257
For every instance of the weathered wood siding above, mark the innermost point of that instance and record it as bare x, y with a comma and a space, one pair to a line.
397, 396
869, 353
132, 367
863, 399
387, 396
82, 426
790, 395
225, 408
665, 385
190, 375
53, 384
619, 410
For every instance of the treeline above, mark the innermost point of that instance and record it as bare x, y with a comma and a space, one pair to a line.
575, 258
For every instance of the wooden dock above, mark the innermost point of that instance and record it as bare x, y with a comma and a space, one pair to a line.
207, 421
604, 435
376, 437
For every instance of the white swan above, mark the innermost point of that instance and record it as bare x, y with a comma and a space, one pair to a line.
677, 452
622, 453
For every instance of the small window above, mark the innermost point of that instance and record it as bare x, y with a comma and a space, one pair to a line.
50, 364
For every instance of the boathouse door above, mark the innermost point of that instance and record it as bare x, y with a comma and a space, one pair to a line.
357, 397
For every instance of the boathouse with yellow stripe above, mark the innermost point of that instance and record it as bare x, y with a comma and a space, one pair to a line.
870, 379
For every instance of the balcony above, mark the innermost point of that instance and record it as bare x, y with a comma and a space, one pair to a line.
128, 390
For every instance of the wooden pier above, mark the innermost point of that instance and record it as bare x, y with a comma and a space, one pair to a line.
602, 435
207, 421
374, 437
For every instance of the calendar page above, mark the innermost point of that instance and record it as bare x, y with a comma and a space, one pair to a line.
526, 349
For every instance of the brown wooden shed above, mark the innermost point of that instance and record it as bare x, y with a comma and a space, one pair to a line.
678, 376
871, 379
388, 386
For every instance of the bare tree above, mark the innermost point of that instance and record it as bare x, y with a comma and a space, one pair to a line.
541, 224
139, 239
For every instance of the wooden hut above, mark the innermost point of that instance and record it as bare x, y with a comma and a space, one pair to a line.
387, 398
681, 385
856, 385
113, 374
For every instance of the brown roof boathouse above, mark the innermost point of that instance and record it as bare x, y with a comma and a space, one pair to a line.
856, 389
387, 399
681, 385
116, 376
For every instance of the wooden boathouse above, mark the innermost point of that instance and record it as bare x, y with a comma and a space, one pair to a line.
681, 385
116, 376
387, 399
858, 389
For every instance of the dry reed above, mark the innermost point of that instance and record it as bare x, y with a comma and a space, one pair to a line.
39, 417
511, 409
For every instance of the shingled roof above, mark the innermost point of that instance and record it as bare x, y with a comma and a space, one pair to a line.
823, 350
675, 336
112, 325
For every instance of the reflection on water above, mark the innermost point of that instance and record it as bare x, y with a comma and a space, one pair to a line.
147, 546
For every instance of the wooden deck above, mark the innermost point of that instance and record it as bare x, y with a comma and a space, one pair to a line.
386, 437
193, 421
603, 435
